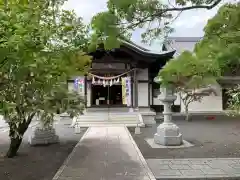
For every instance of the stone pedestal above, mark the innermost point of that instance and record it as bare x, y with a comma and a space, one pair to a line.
137, 130
43, 136
131, 110
168, 133
77, 129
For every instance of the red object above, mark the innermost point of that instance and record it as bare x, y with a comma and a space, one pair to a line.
211, 117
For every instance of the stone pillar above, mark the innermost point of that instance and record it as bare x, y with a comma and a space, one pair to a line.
43, 135
167, 133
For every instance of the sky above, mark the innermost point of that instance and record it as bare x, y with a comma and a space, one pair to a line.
188, 24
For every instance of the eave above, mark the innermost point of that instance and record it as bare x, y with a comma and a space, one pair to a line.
149, 53
141, 54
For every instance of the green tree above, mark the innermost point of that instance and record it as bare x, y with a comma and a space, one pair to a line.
221, 41
40, 47
189, 76
216, 53
125, 16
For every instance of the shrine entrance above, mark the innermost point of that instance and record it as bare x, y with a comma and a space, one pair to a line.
107, 96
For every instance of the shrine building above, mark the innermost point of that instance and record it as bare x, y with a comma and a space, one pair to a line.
123, 77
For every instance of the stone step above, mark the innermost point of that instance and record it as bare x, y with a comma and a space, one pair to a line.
111, 114
122, 109
108, 117
122, 121
87, 124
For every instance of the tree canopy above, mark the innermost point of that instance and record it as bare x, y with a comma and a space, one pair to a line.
41, 45
221, 41
154, 16
217, 52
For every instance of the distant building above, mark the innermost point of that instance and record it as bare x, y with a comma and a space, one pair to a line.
181, 44
214, 102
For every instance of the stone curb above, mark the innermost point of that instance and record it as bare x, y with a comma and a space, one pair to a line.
62, 167
149, 172
198, 178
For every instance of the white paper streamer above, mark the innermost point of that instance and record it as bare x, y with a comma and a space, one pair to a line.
93, 80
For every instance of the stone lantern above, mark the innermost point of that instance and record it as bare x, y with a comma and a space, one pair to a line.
168, 133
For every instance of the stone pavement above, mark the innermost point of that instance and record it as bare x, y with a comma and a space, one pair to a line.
5, 128
196, 168
105, 153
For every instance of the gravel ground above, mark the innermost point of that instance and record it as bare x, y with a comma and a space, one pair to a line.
40, 162
212, 138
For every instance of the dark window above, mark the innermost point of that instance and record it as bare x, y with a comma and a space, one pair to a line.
156, 89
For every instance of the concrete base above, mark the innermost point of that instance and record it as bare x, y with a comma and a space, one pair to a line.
152, 144
168, 135
77, 129
44, 136
137, 130
131, 110
148, 116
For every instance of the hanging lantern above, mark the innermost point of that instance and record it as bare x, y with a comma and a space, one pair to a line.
117, 80
111, 82
99, 81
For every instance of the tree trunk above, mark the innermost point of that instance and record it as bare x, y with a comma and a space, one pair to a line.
17, 140
14, 146
188, 117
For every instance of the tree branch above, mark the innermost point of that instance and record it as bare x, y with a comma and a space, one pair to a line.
162, 11
208, 7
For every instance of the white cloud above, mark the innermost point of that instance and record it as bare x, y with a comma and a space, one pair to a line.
86, 8
189, 23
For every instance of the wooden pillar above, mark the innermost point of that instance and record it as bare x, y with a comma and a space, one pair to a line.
135, 88
85, 90
132, 80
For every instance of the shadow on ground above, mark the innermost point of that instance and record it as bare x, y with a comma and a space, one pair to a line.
212, 138
40, 162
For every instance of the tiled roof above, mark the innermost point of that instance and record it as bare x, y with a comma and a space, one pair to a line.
185, 39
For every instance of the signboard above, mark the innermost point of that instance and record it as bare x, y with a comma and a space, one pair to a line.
79, 85
124, 100
126, 90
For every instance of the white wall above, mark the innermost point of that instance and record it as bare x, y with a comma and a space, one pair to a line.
208, 103
181, 44
142, 94
70, 86
142, 74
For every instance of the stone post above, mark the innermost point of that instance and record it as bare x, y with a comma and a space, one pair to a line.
43, 135
167, 133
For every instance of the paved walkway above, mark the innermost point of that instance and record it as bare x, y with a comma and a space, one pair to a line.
105, 153
197, 168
